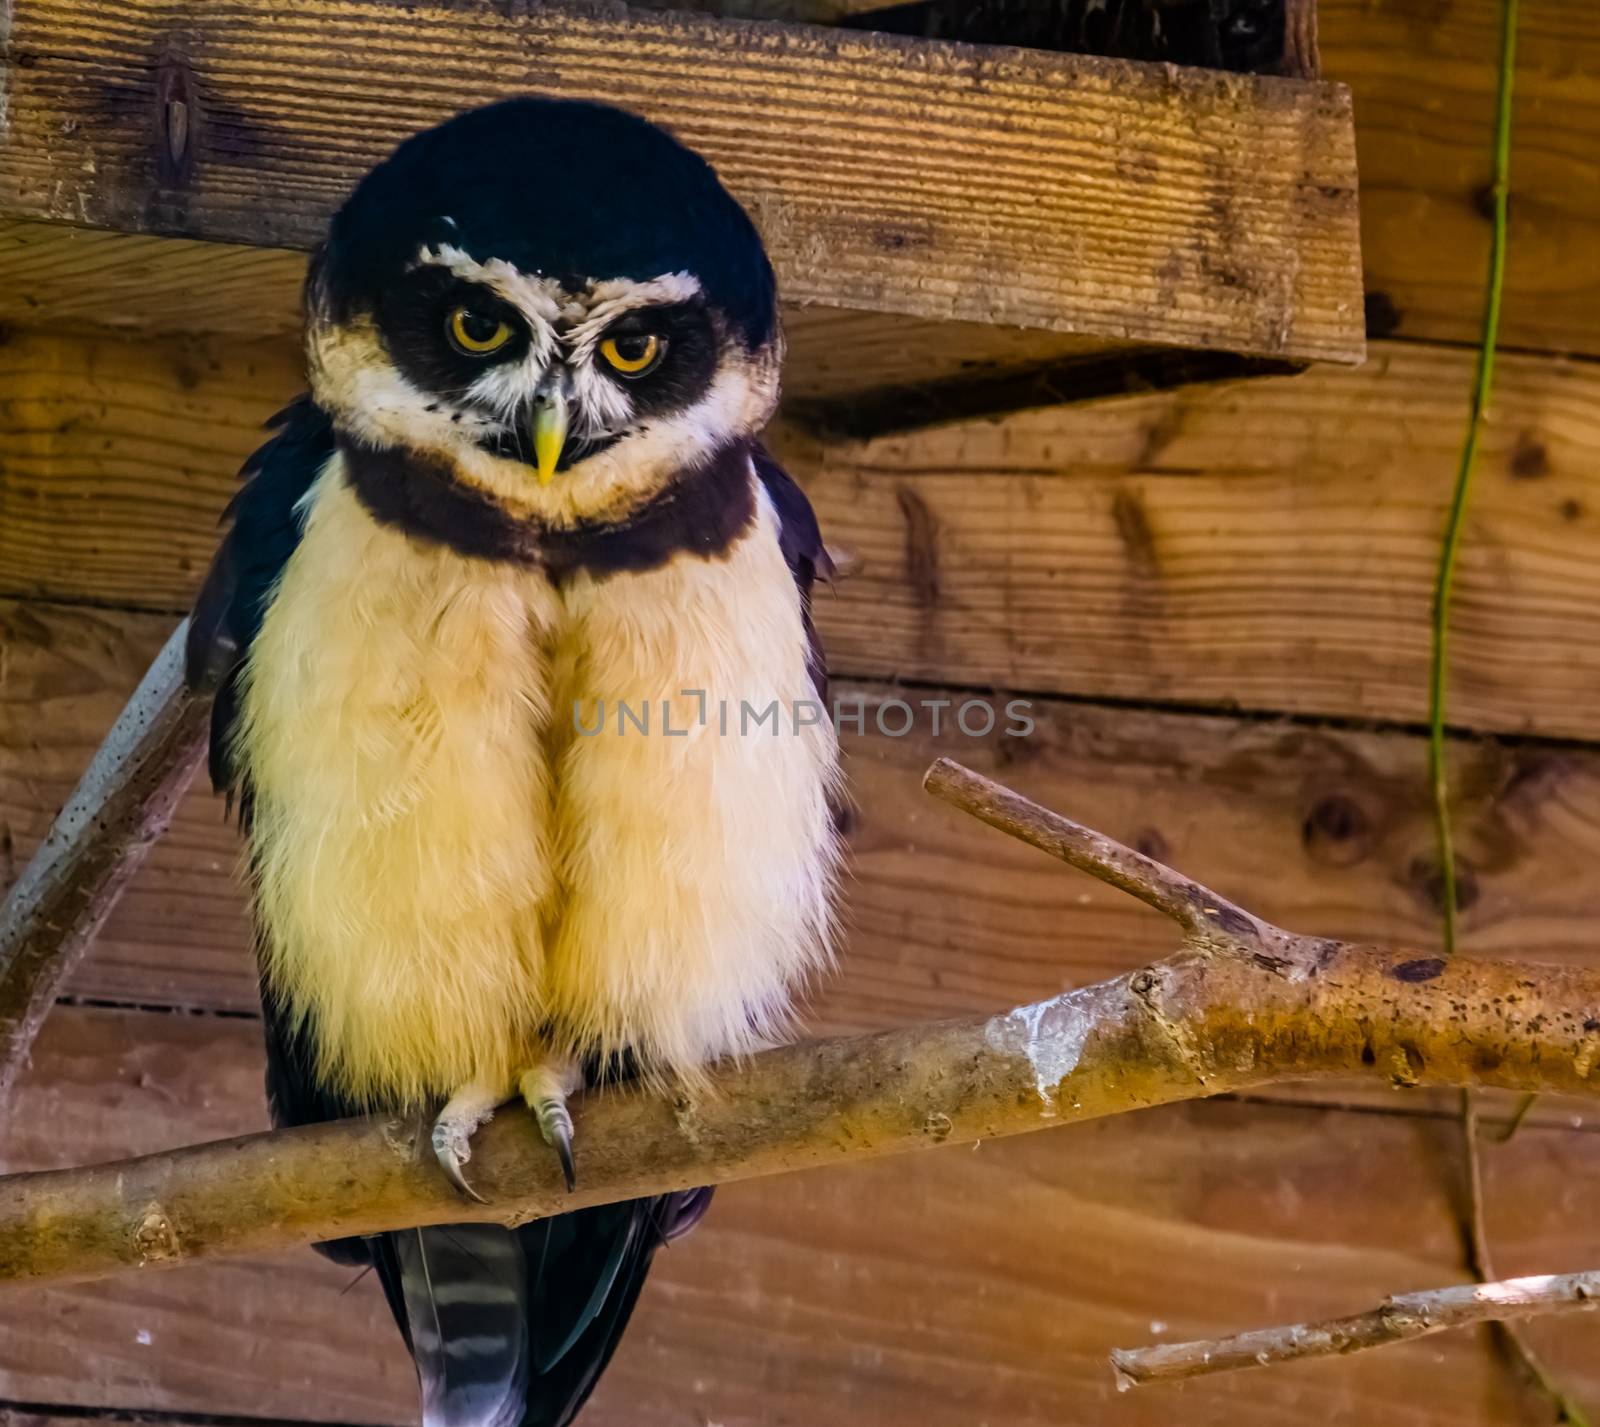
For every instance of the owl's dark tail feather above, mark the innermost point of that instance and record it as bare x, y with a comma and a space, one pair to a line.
513, 1327
465, 1296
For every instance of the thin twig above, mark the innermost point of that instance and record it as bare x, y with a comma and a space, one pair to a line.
121, 805
1245, 1004
1396, 1320
1198, 910
1480, 1263
1474, 1229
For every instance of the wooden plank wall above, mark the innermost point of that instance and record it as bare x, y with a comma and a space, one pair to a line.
1151, 204
1217, 601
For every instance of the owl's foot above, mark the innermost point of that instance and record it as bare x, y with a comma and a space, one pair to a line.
468, 1108
545, 1089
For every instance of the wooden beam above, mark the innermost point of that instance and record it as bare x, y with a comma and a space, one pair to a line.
1423, 87
95, 282
1136, 203
817, 1298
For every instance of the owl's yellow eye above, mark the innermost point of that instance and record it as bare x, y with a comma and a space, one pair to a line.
632, 355
476, 333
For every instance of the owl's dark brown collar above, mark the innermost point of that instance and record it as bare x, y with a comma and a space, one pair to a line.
700, 511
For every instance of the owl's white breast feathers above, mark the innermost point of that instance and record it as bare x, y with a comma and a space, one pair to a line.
452, 880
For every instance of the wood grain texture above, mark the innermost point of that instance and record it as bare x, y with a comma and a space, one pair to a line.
1267, 544
110, 447
61, 279
998, 186
229, 1337
93, 281
957, 1289
1423, 78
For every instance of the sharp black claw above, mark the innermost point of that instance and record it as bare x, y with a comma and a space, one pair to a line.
452, 1172
450, 1163
555, 1124
564, 1154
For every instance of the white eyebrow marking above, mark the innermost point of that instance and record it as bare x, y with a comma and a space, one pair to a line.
607, 301
533, 293
604, 404
539, 299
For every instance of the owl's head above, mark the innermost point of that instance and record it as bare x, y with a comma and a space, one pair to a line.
555, 303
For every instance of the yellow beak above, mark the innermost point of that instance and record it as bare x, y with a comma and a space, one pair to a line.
549, 433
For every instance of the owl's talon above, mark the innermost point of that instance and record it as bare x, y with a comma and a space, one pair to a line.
450, 1161
555, 1124
452, 1135
544, 1090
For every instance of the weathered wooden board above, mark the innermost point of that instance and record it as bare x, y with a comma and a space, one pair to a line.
1423, 81
1323, 830
94, 281
269, 1339
1268, 544
1423, 77
62, 279
947, 1289
1003, 186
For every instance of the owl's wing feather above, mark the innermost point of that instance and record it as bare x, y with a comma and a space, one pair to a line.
800, 539
265, 529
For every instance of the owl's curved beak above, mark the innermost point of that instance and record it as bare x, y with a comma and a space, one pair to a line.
549, 429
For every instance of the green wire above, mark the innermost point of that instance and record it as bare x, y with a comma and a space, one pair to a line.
1444, 583
1444, 587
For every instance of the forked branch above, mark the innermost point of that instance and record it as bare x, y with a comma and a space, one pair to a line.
1241, 1005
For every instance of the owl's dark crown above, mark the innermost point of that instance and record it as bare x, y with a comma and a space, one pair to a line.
561, 188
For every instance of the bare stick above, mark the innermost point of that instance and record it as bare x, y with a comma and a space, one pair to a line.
1395, 1320
121, 805
1197, 909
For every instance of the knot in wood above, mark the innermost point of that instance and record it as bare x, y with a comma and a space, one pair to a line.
937, 1126
155, 1238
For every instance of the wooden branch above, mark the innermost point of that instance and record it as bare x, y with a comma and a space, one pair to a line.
1193, 907
1396, 1320
1243, 1005
122, 804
